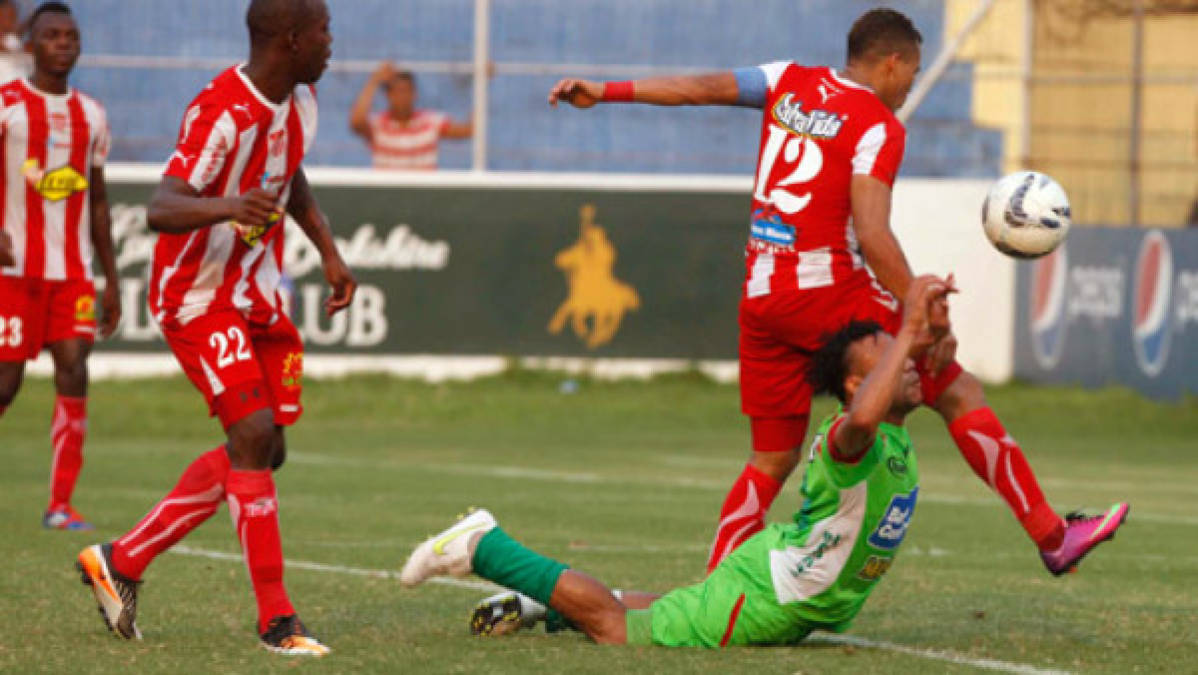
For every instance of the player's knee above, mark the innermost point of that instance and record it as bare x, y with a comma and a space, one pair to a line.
964, 395
608, 629
279, 452
777, 465
70, 377
252, 440
10, 384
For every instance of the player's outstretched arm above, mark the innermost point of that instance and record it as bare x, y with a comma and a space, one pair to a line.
306, 212
176, 208
101, 234
876, 393
710, 89
870, 199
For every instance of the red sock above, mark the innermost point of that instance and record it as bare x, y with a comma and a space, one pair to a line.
996, 458
66, 436
255, 510
195, 498
743, 514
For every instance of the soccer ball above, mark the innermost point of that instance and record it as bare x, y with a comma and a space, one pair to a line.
1026, 214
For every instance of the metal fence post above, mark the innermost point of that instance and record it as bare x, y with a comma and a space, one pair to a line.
482, 59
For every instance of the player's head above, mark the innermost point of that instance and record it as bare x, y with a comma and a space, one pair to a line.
847, 357
885, 46
53, 39
401, 92
297, 30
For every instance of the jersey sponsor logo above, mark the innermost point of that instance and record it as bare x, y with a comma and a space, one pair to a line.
597, 301
293, 371
874, 568
85, 308
772, 230
827, 542
788, 112
1152, 298
56, 184
890, 532
1047, 307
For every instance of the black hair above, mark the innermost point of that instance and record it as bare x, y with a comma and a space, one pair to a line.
404, 75
48, 8
881, 32
829, 364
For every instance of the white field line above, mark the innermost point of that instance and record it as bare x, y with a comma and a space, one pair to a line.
485, 587
934, 654
591, 478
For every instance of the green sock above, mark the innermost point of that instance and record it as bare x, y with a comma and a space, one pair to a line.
509, 563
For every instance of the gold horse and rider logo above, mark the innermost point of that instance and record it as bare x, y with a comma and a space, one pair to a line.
597, 301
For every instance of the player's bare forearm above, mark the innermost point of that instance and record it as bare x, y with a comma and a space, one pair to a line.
359, 113
871, 221
307, 214
175, 208
101, 225
709, 89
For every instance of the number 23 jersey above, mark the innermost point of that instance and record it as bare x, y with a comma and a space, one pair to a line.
818, 130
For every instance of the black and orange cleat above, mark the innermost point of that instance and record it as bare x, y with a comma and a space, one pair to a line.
287, 635
116, 595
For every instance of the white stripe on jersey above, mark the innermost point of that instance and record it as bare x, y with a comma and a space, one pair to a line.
868, 148
817, 576
14, 202
170, 272
759, 280
216, 146
773, 72
815, 268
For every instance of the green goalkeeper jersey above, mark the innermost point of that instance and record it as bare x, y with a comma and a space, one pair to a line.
853, 519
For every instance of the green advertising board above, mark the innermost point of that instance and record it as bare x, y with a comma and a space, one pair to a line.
468, 268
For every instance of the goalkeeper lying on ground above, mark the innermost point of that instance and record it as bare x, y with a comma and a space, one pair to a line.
814, 573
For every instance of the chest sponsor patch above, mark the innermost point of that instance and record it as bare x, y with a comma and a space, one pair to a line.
893, 527
772, 230
56, 184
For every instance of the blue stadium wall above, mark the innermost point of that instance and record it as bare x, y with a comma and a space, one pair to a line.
525, 134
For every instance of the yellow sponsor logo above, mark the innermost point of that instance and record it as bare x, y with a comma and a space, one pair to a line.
251, 234
55, 185
597, 301
874, 568
85, 308
293, 370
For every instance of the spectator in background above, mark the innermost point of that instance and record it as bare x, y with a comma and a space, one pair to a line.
402, 136
14, 61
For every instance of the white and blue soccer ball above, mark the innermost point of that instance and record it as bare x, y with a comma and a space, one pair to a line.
1026, 214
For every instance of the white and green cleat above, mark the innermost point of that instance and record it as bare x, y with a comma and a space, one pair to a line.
447, 553
505, 613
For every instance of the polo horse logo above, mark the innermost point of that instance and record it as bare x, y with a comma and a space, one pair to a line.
597, 301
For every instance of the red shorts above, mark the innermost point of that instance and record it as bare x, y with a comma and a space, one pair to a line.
242, 367
780, 332
36, 312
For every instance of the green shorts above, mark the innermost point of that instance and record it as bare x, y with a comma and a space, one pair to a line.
735, 605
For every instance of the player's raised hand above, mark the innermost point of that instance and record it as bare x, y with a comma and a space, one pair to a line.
385, 72
6, 254
578, 93
256, 208
922, 303
337, 273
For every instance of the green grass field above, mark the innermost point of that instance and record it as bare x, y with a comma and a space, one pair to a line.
622, 480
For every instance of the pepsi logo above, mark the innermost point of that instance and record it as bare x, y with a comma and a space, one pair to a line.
1047, 318
1151, 303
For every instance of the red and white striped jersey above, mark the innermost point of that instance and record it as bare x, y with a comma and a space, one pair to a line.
818, 130
411, 146
232, 139
48, 146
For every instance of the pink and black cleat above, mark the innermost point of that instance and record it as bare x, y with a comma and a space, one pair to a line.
1082, 534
